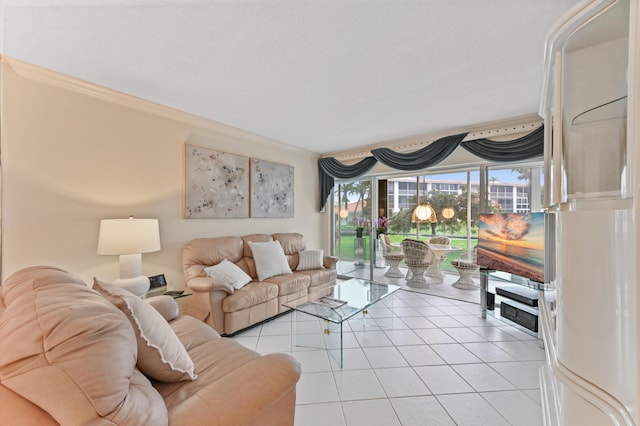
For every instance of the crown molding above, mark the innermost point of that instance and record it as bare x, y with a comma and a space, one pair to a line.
59, 80
495, 130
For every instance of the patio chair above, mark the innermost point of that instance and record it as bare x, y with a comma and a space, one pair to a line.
445, 241
466, 266
418, 257
393, 254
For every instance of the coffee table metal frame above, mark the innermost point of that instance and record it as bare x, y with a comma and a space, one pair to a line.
359, 295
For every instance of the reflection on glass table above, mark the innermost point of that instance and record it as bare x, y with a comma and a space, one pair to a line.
357, 295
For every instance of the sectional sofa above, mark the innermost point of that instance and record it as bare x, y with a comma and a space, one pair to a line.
72, 355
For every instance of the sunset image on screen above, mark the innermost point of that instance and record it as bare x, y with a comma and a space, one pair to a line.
512, 242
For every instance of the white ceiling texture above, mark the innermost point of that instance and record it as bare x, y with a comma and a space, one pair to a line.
324, 75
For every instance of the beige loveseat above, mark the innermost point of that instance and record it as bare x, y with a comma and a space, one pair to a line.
73, 356
228, 309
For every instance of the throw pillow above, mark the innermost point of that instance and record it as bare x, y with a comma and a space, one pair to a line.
310, 259
270, 259
161, 355
229, 273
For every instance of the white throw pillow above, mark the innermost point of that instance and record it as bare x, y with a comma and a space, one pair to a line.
270, 259
229, 273
161, 355
310, 259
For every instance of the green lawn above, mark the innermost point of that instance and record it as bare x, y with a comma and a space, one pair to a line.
346, 249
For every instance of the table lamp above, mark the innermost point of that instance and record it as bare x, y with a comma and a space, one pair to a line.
129, 238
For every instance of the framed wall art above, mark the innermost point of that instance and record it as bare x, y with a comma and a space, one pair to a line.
271, 189
216, 184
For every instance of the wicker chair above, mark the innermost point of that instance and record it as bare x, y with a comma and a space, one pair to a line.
393, 255
466, 267
445, 241
418, 258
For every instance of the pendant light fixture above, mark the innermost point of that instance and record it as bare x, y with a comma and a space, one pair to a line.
422, 212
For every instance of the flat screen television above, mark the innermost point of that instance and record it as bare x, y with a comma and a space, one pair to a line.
513, 243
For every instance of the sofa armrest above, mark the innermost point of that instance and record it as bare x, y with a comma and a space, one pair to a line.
208, 284
329, 262
249, 392
164, 304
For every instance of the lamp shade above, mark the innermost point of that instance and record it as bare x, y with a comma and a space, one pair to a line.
128, 236
423, 212
448, 213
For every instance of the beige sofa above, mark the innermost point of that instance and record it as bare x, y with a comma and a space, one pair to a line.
229, 310
71, 355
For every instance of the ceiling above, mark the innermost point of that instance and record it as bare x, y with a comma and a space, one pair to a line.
324, 75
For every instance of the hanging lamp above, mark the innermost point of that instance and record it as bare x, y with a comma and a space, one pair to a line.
422, 212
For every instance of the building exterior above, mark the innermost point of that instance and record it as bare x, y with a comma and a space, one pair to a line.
510, 196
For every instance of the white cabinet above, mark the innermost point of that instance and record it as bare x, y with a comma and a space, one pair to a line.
590, 322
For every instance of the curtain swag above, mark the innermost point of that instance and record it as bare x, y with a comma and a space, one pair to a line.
428, 156
526, 147
331, 168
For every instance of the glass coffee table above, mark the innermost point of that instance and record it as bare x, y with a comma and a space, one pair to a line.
346, 300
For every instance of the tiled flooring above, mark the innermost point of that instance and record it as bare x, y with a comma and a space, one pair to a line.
418, 359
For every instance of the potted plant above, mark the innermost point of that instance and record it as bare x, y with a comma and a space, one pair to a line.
381, 224
360, 226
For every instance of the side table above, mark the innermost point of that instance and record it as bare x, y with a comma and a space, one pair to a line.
178, 296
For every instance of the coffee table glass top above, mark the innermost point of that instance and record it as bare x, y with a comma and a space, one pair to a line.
358, 295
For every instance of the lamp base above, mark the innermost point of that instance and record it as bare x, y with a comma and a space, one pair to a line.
131, 277
137, 285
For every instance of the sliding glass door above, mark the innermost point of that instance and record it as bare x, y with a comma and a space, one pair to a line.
352, 227
452, 200
452, 203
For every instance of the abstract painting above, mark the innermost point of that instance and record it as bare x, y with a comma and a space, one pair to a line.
271, 189
216, 184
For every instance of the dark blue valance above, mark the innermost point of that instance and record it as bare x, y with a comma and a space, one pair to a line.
331, 168
425, 157
526, 147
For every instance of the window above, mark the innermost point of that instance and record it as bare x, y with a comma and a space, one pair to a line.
509, 189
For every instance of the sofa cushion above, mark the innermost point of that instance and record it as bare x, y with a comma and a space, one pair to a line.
161, 355
290, 283
229, 273
292, 243
79, 350
320, 276
200, 253
310, 259
209, 351
236, 386
250, 295
269, 258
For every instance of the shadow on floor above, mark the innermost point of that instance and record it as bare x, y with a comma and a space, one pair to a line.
349, 270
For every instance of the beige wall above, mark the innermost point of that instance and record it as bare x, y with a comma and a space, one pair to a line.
73, 154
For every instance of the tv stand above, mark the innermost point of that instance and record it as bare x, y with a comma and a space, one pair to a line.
514, 302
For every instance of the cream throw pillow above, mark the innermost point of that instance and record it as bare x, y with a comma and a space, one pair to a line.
161, 355
229, 273
310, 259
270, 259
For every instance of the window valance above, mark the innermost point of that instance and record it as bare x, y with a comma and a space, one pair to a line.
523, 148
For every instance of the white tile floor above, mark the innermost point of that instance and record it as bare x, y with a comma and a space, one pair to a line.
418, 359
